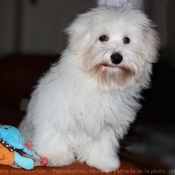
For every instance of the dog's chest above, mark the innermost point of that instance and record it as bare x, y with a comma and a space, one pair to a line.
93, 111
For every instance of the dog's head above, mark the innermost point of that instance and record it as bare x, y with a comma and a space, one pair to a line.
113, 45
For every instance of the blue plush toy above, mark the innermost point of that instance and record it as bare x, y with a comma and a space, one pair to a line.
11, 139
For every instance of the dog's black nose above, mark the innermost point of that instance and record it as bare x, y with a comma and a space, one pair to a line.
116, 58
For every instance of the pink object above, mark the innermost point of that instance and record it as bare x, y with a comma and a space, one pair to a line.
29, 146
44, 161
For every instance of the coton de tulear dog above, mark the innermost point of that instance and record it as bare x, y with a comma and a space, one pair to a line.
85, 103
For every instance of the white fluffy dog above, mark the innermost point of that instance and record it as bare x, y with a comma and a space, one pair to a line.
85, 103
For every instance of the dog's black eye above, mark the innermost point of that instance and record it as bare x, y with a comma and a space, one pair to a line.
103, 38
126, 40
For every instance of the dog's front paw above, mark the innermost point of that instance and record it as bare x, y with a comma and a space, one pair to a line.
105, 164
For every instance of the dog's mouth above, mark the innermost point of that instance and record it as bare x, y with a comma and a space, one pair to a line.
107, 65
112, 66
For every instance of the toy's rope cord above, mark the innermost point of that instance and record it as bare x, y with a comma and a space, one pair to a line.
9, 147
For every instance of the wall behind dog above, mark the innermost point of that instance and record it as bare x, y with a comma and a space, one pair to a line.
7, 26
36, 26
163, 14
45, 21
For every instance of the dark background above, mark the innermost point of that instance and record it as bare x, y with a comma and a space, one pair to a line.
35, 28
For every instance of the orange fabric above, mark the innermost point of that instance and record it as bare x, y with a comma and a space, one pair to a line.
6, 157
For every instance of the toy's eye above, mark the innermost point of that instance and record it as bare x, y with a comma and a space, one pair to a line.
103, 38
126, 40
6, 128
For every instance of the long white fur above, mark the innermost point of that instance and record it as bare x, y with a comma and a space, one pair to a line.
80, 111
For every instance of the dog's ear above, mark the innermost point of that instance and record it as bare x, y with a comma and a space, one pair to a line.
79, 35
151, 43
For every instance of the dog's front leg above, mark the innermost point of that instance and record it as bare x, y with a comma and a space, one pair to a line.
101, 152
